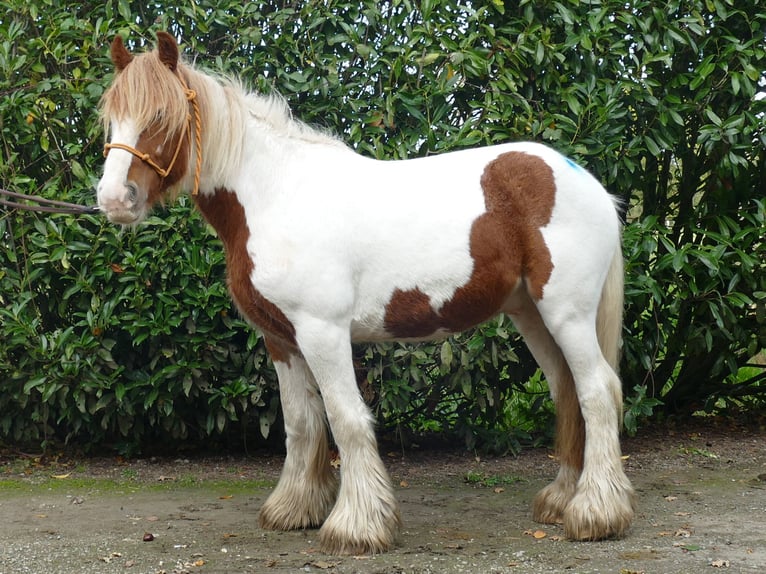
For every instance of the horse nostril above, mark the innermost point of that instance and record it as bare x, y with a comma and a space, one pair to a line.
132, 192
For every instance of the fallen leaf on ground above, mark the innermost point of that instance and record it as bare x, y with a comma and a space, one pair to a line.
720, 563
226, 497
537, 534
61, 476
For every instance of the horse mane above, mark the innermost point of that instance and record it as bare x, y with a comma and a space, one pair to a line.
145, 92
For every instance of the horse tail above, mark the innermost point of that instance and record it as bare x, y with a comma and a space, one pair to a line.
609, 321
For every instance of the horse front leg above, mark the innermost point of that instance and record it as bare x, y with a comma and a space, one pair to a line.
307, 488
365, 519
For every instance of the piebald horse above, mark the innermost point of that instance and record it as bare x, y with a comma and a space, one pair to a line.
325, 247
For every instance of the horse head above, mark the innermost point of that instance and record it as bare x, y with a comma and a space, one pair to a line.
150, 115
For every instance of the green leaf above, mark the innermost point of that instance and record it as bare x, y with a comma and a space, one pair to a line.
446, 354
652, 146
713, 117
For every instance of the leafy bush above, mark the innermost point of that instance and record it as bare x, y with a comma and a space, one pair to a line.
124, 337
697, 310
473, 387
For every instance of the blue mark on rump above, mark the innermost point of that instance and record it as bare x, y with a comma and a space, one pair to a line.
573, 164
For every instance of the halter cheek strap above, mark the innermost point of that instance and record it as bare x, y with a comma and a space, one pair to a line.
191, 95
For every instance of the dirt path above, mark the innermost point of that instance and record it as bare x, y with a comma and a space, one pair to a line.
702, 508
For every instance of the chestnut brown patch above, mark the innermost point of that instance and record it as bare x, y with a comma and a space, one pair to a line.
225, 213
506, 246
409, 314
520, 192
145, 176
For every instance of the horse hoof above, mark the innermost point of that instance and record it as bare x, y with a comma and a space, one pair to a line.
611, 518
342, 538
550, 503
337, 544
289, 509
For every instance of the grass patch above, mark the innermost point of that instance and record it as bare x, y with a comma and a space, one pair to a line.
490, 480
126, 485
694, 451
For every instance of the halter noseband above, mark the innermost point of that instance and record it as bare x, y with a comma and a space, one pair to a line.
191, 95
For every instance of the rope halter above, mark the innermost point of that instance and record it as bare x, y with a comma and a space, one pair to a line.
191, 96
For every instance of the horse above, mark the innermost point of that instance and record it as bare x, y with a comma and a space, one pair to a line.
325, 247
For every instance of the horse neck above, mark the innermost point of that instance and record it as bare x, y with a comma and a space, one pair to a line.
250, 140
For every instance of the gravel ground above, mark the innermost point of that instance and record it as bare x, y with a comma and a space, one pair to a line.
701, 493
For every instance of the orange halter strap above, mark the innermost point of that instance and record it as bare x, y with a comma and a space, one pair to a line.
191, 95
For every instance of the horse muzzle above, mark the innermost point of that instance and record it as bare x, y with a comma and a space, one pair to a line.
124, 204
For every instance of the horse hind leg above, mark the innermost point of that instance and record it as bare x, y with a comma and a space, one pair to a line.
551, 501
603, 502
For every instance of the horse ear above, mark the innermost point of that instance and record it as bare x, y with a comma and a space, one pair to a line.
168, 49
120, 55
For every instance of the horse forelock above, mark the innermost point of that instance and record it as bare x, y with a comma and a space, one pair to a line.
149, 94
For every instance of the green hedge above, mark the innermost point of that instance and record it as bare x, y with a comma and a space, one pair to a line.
125, 338
696, 313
